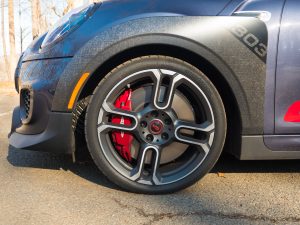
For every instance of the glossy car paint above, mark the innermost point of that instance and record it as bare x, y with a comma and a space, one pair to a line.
287, 75
288, 68
119, 25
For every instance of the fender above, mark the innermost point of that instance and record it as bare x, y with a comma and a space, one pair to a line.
235, 46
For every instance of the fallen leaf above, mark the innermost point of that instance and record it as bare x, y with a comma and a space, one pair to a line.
221, 174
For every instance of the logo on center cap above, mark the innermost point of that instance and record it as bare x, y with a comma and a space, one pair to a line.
156, 127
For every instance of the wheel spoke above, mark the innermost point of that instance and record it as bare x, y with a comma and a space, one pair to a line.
111, 126
206, 127
111, 110
137, 171
155, 162
164, 100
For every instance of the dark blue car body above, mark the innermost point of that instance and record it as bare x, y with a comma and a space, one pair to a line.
253, 61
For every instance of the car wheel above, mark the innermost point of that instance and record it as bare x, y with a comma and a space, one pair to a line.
155, 124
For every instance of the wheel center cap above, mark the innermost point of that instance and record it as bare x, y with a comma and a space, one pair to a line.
156, 127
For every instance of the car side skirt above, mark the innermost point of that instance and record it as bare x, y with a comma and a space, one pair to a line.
254, 148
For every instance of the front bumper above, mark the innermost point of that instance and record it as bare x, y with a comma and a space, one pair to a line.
35, 126
56, 138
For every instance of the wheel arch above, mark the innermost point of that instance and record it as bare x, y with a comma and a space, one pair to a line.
225, 82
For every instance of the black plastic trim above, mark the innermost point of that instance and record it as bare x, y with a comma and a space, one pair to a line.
38, 116
56, 138
26, 114
289, 142
254, 148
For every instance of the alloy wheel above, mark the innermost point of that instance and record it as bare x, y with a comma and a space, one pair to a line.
155, 124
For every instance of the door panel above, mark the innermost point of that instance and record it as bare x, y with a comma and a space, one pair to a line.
287, 107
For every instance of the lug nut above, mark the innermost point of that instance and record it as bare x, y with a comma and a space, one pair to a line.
149, 137
143, 124
164, 136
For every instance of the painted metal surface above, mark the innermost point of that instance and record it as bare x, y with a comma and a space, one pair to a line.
115, 12
288, 68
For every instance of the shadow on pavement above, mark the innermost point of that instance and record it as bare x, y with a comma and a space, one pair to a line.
43, 160
229, 164
89, 171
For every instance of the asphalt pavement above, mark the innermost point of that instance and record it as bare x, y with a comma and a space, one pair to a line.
41, 188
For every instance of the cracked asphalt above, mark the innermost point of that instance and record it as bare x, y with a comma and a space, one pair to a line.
40, 188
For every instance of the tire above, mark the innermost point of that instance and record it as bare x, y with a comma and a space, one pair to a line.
78, 126
170, 152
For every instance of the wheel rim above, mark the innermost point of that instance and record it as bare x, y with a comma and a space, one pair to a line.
163, 128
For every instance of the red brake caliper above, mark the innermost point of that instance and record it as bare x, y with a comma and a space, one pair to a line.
123, 140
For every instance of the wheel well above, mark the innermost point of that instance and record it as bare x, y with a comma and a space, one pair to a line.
231, 107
